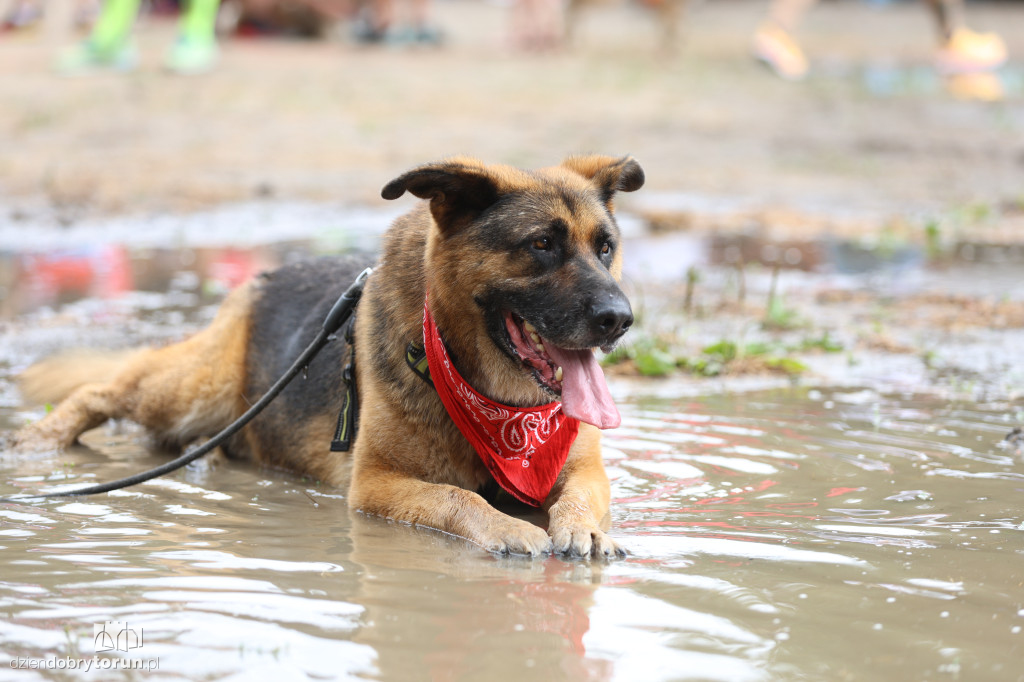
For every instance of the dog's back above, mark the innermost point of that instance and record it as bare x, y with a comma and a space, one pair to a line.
192, 389
287, 313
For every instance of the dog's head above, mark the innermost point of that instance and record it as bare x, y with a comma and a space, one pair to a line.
522, 270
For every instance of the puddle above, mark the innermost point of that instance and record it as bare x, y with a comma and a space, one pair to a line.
206, 254
847, 531
787, 534
199, 257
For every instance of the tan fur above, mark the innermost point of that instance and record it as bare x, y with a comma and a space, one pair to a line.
409, 461
55, 379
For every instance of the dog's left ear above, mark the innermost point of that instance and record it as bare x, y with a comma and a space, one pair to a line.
458, 191
610, 174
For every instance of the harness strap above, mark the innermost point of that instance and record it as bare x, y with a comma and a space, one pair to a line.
348, 417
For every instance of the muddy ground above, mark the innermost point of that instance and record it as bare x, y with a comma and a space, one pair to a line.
875, 185
873, 131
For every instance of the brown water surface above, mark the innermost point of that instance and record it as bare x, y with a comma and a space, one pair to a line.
797, 533
774, 535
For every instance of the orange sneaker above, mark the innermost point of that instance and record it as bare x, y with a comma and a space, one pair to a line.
970, 52
780, 52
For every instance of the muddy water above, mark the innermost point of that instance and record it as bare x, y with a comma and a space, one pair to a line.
782, 534
774, 535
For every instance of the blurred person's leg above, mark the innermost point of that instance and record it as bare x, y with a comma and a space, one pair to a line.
774, 43
195, 50
333, 10
378, 16
400, 23
539, 24
108, 45
6, 10
19, 13
114, 25
424, 30
521, 22
961, 49
58, 21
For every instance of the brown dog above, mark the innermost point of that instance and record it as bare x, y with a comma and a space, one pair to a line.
506, 279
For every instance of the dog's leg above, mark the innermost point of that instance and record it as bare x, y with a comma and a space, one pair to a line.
578, 503
86, 408
180, 392
378, 489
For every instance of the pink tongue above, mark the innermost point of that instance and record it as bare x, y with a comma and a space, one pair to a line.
585, 394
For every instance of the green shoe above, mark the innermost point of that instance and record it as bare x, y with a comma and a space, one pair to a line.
87, 57
190, 56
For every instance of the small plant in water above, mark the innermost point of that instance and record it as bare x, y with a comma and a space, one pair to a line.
779, 317
651, 357
823, 343
933, 240
72, 641
655, 357
692, 277
729, 357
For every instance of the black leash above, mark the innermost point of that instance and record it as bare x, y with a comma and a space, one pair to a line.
340, 313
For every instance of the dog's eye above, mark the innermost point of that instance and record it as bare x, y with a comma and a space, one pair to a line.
542, 244
606, 248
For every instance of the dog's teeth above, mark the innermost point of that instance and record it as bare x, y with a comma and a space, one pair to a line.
558, 374
535, 337
529, 327
540, 347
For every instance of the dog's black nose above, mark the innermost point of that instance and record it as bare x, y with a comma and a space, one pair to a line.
610, 317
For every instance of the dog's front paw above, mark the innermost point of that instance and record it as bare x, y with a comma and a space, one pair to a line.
580, 539
515, 536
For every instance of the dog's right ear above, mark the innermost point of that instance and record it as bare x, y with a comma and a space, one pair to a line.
458, 191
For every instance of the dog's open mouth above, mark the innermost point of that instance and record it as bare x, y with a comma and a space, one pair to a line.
573, 375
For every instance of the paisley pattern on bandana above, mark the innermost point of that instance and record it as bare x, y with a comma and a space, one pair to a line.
524, 448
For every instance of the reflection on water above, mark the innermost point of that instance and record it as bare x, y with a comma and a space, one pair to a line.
205, 253
775, 535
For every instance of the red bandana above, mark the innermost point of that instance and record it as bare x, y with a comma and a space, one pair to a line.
524, 448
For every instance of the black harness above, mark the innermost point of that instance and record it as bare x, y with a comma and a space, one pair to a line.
348, 416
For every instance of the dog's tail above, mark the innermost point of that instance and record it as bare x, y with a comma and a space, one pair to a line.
54, 379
